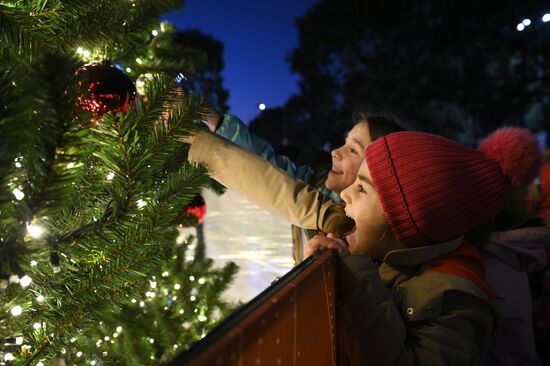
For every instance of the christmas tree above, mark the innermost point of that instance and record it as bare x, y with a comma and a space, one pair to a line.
92, 184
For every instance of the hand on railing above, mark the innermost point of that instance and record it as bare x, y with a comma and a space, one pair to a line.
321, 242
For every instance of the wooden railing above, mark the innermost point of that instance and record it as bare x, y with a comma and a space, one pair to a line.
293, 322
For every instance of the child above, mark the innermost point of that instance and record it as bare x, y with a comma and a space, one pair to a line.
346, 159
412, 290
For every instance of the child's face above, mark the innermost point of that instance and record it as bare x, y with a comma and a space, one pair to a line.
372, 233
347, 158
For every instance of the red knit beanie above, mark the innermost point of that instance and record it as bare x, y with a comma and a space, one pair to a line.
433, 189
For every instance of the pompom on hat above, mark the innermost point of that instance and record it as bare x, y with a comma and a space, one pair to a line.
433, 189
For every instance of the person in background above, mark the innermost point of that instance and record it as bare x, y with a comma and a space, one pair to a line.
513, 246
367, 127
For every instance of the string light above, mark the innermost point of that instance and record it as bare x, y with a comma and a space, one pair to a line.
35, 230
79, 354
19, 340
34, 263
16, 310
8, 357
546, 18
155, 32
141, 203
153, 284
119, 329
40, 298
193, 298
191, 278
25, 281
110, 176
70, 165
202, 280
177, 286
141, 304
19, 195
37, 326
40, 363
165, 274
202, 318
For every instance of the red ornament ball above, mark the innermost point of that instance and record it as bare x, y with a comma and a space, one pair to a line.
194, 213
102, 88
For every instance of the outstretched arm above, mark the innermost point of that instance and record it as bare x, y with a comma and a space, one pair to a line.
233, 129
265, 184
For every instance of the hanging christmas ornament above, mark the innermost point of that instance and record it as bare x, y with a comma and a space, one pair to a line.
102, 88
194, 213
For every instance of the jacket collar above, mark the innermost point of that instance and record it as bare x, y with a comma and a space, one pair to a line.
419, 255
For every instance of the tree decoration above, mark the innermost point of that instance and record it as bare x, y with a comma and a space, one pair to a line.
194, 213
102, 88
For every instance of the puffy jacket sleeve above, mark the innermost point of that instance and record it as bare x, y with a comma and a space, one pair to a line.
264, 184
376, 332
233, 129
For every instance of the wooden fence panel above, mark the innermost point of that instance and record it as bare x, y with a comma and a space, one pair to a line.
293, 322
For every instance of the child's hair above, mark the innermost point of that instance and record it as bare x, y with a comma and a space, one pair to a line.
381, 122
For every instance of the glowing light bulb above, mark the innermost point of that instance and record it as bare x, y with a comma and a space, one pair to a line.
202, 318
37, 326
40, 298
165, 274
19, 340
155, 32
19, 195
546, 18
40, 363
70, 165
141, 203
119, 329
520, 27
191, 278
8, 357
177, 286
110, 176
35, 230
16, 310
202, 280
79, 354
34, 263
25, 281
128, 69
261, 106
526, 22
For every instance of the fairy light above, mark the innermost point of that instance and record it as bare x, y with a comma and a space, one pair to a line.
119, 329
70, 165
138, 60
128, 69
40, 363
202, 318
141, 203
93, 362
16, 310
79, 354
191, 278
155, 32
153, 284
19, 195
34, 263
175, 346
151, 340
177, 286
106, 338
202, 280
110, 176
35, 230
141, 304
174, 298
165, 274
8, 357
133, 301
18, 165
40, 298
37, 326
25, 281
192, 298
181, 311
19, 340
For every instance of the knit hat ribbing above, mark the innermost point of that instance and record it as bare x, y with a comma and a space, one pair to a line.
433, 189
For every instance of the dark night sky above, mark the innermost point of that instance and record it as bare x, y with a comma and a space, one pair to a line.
257, 36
